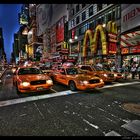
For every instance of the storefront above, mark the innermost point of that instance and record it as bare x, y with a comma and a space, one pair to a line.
130, 34
100, 44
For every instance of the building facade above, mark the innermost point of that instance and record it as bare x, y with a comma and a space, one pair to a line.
51, 19
2, 52
83, 17
130, 33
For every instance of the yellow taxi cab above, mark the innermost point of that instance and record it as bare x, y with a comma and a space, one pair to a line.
31, 79
76, 79
104, 74
117, 75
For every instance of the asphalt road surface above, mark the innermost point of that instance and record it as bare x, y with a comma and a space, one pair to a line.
60, 112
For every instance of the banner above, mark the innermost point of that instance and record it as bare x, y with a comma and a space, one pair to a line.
48, 14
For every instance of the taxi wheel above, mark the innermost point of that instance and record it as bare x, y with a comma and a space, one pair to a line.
72, 86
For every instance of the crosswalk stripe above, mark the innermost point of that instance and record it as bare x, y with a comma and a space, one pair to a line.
34, 98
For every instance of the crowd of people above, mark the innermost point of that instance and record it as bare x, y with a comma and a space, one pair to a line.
129, 70
133, 69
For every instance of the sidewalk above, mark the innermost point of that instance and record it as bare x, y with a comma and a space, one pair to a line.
129, 77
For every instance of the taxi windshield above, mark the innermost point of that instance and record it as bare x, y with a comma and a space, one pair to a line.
24, 71
73, 71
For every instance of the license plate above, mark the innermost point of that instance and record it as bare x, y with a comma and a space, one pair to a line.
40, 88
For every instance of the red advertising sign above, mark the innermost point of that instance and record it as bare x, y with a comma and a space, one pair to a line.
124, 50
60, 31
73, 34
112, 48
135, 49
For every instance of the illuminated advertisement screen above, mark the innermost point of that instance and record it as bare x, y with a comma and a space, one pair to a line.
60, 30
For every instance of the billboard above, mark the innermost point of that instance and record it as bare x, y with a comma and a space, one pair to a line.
48, 14
130, 16
60, 31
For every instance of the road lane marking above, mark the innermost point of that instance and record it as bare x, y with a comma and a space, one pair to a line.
41, 114
54, 90
119, 84
95, 126
34, 98
68, 92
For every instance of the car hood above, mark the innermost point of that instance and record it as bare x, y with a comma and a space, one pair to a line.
100, 72
33, 77
85, 77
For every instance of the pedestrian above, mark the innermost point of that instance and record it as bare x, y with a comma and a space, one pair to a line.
133, 70
138, 70
126, 71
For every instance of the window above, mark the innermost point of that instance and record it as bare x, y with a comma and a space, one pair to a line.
77, 20
118, 12
72, 23
72, 11
62, 71
86, 68
91, 11
82, 29
99, 21
83, 5
113, 15
99, 7
109, 16
77, 8
83, 15
91, 25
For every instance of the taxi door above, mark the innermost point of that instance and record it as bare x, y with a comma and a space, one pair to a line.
62, 76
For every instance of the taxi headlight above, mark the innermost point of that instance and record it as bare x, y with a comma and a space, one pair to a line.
101, 80
84, 82
105, 75
13, 70
49, 82
25, 84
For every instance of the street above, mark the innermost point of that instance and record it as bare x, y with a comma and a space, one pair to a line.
60, 112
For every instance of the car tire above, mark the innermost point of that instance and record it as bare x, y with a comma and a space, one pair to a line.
72, 86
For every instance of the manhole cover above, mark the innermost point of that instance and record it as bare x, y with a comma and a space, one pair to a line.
131, 107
